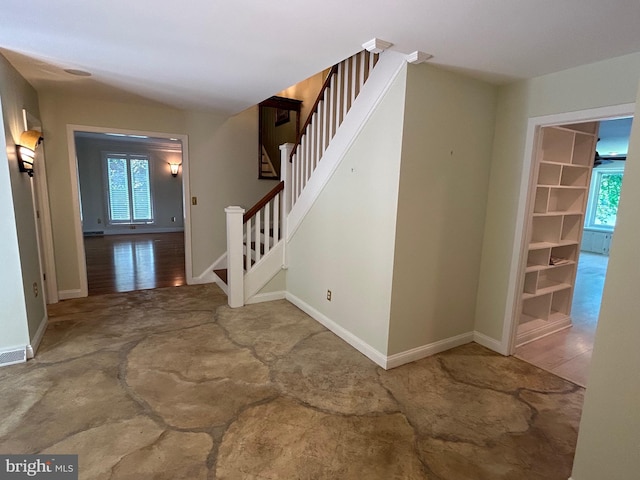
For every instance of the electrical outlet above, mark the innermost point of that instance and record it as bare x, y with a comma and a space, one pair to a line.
173, 219
99, 220
194, 200
329, 295
35, 289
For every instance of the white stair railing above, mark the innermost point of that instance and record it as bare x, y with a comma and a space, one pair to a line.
262, 227
338, 93
258, 236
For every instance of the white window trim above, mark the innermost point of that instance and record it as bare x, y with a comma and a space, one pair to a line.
594, 188
105, 173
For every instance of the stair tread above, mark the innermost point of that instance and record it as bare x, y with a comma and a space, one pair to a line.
222, 273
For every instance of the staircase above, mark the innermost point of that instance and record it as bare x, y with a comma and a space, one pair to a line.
256, 239
267, 170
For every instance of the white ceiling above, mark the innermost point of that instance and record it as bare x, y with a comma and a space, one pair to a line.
212, 54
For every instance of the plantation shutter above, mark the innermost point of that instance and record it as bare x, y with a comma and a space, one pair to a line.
118, 189
140, 189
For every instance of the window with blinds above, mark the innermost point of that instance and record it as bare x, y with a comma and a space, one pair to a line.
129, 188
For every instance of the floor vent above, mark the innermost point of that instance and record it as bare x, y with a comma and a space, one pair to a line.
9, 357
95, 233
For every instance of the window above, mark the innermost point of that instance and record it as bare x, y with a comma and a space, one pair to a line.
129, 188
604, 195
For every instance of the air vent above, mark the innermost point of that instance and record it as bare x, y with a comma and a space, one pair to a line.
9, 357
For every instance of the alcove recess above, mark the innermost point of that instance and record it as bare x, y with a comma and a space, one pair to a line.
564, 158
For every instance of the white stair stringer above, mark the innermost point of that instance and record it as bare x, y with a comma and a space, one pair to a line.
373, 91
264, 270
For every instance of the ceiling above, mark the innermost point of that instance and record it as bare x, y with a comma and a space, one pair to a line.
613, 137
210, 54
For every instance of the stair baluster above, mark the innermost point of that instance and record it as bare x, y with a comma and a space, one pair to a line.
339, 91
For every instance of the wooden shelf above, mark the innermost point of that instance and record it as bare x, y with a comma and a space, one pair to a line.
562, 186
550, 289
558, 202
541, 245
557, 213
538, 268
548, 162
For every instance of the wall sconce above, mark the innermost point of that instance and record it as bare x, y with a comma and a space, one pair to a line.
174, 168
26, 150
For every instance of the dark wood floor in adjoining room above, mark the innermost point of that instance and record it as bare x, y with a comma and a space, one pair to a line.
122, 263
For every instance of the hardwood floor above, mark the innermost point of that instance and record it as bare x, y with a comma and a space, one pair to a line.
122, 263
568, 353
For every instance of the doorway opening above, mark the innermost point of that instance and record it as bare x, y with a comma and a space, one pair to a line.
577, 177
131, 207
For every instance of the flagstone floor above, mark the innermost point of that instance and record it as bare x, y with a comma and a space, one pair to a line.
173, 384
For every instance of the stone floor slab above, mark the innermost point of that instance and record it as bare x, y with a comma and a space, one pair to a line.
196, 377
272, 329
286, 440
47, 404
441, 407
325, 372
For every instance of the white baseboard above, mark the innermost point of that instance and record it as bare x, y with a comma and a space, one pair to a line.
221, 262
32, 348
423, 351
208, 276
343, 333
69, 294
490, 343
386, 362
266, 297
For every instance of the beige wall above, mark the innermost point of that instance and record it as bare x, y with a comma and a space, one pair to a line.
306, 91
609, 439
345, 243
222, 162
224, 171
444, 175
607, 83
22, 311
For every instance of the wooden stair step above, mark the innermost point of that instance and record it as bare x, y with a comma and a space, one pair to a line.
222, 273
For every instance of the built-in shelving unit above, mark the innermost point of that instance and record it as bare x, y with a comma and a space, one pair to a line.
558, 201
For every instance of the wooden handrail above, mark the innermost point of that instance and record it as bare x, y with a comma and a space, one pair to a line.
314, 109
262, 202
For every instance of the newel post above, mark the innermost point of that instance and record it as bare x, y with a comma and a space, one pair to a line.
235, 272
286, 169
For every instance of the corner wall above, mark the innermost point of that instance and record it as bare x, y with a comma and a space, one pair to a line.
22, 312
609, 438
444, 175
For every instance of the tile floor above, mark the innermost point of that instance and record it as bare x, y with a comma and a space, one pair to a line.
173, 384
568, 353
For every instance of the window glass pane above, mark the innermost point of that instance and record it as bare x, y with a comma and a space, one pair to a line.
118, 189
140, 189
608, 198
